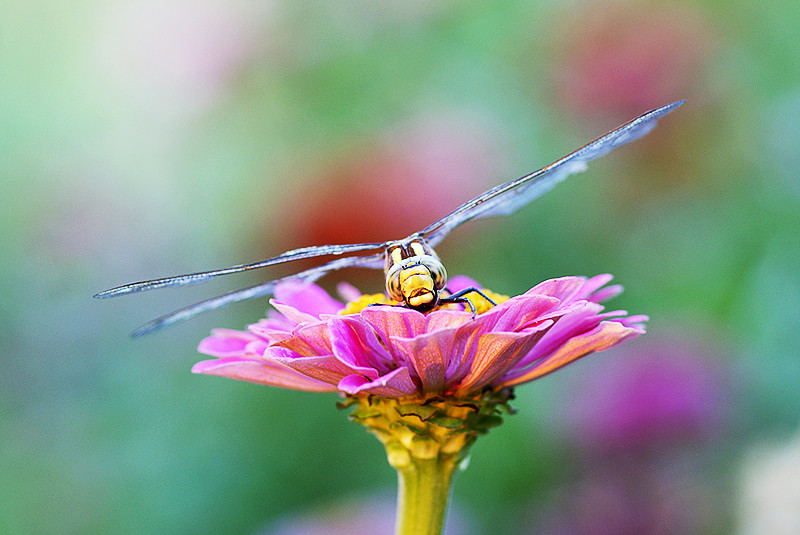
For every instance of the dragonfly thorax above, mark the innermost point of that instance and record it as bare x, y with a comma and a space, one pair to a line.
414, 274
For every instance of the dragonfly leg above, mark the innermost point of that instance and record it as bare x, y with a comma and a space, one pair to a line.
458, 297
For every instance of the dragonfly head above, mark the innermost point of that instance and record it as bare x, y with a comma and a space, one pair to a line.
416, 281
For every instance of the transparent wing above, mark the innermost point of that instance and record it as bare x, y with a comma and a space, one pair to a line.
509, 197
202, 276
259, 290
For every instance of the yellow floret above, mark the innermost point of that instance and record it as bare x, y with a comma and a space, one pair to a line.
482, 305
354, 307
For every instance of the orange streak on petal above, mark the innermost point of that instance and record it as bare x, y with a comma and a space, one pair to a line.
308, 340
606, 335
326, 368
496, 354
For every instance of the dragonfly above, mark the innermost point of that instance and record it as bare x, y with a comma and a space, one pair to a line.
415, 277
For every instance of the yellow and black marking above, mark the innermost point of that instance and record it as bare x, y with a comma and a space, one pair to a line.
478, 301
416, 278
484, 300
459, 297
414, 274
354, 307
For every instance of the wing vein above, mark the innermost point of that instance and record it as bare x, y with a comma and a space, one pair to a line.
252, 292
509, 197
202, 276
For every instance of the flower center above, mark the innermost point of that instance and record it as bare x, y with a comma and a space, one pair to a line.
354, 307
481, 305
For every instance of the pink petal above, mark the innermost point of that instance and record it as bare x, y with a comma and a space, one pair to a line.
496, 354
292, 314
396, 383
577, 321
394, 321
225, 343
256, 347
461, 282
604, 294
604, 336
595, 283
467, 345
636, 321
309, 339
307, 298
446, 319
564, 288
272, 330
262, 372
325, 368
348, 292
428, 355
520, 312
354, 342
274, 322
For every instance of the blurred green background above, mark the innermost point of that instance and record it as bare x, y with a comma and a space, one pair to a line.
152, 138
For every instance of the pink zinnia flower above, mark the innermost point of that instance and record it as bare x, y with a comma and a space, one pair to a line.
394, 352
666, 393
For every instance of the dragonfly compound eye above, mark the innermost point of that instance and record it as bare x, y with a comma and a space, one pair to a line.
437, 271
393, 283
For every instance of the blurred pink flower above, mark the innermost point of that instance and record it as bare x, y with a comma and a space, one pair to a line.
641, 425
658, 394
393, 351
622, 57
640, 498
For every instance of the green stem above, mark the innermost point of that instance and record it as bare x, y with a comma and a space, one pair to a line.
422, 495
426, 440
